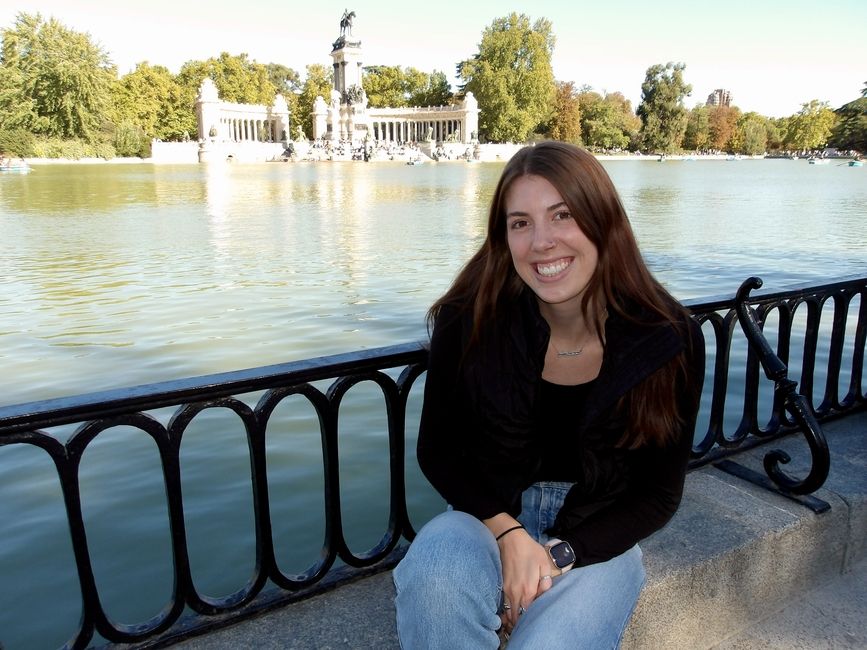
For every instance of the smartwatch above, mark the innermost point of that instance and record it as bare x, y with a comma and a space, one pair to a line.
561, 555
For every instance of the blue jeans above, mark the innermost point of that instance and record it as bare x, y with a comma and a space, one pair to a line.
449, 587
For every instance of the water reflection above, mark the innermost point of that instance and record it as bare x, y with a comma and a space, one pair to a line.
189, 269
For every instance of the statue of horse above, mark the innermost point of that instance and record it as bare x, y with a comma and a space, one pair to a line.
346, 22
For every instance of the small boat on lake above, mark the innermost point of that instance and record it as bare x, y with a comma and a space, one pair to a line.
19, 167
817, 161
856, 163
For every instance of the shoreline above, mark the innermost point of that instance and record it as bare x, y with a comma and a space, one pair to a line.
609, 157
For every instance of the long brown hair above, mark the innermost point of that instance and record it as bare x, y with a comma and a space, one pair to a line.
621, 283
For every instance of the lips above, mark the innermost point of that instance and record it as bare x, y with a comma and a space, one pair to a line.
550, 269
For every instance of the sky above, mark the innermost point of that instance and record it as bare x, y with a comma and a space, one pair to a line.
772, 55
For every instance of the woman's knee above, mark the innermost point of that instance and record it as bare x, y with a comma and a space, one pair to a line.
450, 576
451, 550
451, 539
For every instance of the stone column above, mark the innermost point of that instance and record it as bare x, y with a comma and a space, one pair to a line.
320, 118
281, 120
208, 110
471, 116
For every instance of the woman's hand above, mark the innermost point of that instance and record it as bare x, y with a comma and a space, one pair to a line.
527, 573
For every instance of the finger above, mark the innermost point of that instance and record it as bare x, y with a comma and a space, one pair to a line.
545, 583
509, 614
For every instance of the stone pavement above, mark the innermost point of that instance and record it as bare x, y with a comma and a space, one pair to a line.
738, 568
831, 616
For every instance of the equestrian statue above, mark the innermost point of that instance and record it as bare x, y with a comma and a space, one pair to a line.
346, 22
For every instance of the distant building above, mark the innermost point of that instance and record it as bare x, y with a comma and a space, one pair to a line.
719, 97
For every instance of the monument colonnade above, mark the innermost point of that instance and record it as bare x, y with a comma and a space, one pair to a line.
231, 131
229, 122
400, 125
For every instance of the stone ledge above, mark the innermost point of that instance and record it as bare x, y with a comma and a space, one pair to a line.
733, 555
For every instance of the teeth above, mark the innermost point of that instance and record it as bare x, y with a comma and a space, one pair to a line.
551, 269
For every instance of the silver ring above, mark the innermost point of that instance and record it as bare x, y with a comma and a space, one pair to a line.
507, 606
521, 611
545, 578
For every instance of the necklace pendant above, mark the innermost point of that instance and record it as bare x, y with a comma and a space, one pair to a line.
573, 353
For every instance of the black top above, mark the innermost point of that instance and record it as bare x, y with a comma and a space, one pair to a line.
479, 442
559, 442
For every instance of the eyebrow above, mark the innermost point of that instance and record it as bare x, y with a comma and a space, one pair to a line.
550, 208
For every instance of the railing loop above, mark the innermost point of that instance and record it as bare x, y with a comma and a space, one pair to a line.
785, 390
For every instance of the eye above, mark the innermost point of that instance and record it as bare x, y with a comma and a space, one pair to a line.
562, 214
517, 224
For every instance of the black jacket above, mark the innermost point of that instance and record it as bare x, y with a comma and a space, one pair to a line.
476, 439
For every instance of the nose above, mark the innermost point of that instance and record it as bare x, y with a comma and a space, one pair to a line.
543, 237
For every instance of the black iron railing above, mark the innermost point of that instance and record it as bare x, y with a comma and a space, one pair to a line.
189, 612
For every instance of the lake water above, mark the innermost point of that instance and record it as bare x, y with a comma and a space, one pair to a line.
118, 275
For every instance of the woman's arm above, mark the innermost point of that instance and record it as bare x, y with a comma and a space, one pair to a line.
656, 479
446, 427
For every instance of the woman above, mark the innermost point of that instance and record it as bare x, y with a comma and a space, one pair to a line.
560, 401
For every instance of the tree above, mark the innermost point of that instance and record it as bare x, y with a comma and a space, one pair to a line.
810, 127
286, 80
565, 124
436, 91
142, 98
663, 115
385, 85
392, 86
777, 128
751, 134
317, 84
850, 132
697, 134
607, 122
237, 78
511, 77
58, 79
722, 122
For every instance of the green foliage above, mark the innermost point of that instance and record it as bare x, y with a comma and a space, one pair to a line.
392, 86
777, 128
436, 91
130, 140
56, 81
751, 135
143, 98
607, 122
286, 80
16, 142
663, 115
385, 85
810, 127
72, 149
511, 78
697, 134
318, 83
237, 79
850, 132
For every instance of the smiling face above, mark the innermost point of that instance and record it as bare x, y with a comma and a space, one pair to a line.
551, 254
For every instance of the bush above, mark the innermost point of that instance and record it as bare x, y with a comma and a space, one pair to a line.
131, 140
72, 149
16, 143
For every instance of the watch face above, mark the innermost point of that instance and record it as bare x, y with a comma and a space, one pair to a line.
562, 554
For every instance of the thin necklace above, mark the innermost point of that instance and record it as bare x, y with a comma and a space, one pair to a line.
567, 353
